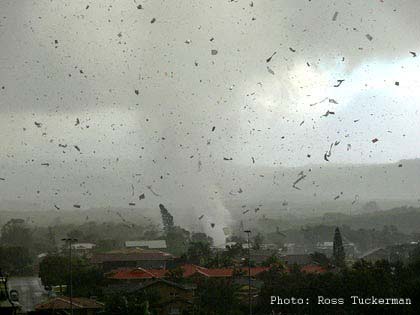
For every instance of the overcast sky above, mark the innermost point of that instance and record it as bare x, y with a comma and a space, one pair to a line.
148, 81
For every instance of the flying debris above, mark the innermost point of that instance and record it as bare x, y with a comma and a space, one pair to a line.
292, 50
136, 92
335, 16
227, 159
38, 124
142, 196
302, 176
253, 160
397, 83
45, 164
269, 58
76, 206
270, 70
214, 52
245, 212
328, 153
328, 113
339, 83
151, 190
153, 20
369, 37
200, 217
348, 147
257, 209
57, 207
139, 7
375, 140
356, 199
331, 100
212, 225
77, 122
323, 100
413, 53
131, 204
214, 128
1, 178
62, 145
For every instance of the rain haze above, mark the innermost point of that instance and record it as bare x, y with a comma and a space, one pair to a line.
209, 107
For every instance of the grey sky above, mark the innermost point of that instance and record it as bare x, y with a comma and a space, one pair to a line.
60, 61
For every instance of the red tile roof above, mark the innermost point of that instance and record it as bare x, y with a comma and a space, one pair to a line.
189, 270
313, 269
131, 255
63, 302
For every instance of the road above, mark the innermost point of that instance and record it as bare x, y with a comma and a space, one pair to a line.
31, 291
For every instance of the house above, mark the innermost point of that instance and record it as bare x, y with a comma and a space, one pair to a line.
173, 298
188, 271
298, 259
81, 306
83, 249
132, 258
376, 254
155, 244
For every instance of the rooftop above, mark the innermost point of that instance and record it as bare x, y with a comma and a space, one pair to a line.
63, 302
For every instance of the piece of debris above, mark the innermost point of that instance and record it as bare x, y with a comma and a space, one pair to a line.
227, 159
77, 148
131, 204
369, 37
212, 225
77, 122
136, 91
200, 217
245, 212
270, 70
253, 160
57, 207
76, 206
302, 176
328, 113
45, 164
151, 190
214, 52
413, 53
335, 16
291, 49
356, 198
38, 124
188, 41
328, 153
1, 178
397, 83
302, 122
348, 147
153, 20
142, 196
331, 100
214, 128
336, 197
257, 209
339, 83
375, 140
321, 101
139, 7
400, 165
269, 58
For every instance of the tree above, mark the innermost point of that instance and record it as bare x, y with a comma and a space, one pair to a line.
338, 249
16, 261
16, 233
199, 253
258, 240
167, 218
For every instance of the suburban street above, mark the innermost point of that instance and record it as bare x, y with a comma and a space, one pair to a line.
31, 291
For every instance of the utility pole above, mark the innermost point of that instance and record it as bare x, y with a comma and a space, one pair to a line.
249, 273
70, 241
